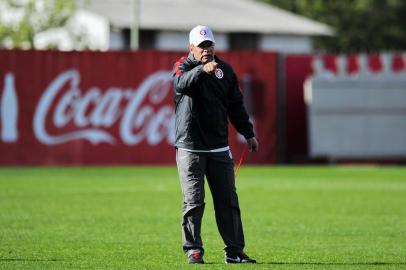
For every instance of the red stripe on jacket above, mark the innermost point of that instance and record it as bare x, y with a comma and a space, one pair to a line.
179, 72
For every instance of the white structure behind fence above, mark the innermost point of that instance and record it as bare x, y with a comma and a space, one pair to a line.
357, 116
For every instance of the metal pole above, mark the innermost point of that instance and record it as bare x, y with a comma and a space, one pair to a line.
135, 18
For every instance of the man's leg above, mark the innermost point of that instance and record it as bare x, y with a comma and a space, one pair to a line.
220, 177
191, 174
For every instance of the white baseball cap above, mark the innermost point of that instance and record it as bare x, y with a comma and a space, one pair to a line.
199, 34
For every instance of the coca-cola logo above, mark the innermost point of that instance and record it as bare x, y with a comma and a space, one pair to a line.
94, 111
66, 113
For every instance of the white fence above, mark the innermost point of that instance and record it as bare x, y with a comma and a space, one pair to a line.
360, 116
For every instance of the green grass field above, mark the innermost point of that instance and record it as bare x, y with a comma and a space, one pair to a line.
129, 218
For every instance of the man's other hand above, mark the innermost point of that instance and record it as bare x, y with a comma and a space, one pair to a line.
252, 144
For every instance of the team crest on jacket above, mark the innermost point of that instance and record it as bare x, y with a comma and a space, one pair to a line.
219, 73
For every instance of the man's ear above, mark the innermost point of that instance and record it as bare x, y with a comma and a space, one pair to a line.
191, 47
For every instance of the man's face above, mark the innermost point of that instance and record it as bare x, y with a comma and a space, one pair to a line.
204, 52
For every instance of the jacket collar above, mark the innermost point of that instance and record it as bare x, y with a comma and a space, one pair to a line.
192, 59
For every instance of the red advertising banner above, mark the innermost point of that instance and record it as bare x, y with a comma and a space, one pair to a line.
74, 108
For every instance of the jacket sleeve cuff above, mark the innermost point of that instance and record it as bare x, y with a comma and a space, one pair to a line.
249, 135
198, 70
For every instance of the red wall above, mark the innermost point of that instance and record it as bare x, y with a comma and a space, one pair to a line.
110, 107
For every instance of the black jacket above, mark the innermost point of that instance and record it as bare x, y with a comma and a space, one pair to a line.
203, 104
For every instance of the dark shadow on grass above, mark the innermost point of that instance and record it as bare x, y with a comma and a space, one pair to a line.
28, 260
333, 263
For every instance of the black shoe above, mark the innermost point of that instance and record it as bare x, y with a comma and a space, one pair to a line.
196, 257
239, 258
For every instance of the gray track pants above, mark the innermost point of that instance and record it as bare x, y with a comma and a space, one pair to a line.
219, 171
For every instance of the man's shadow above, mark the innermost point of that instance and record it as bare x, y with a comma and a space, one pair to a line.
322, 263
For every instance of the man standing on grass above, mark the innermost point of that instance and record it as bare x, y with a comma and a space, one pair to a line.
206, 95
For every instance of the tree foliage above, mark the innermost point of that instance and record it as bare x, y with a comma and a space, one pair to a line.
360, 25
21, 20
